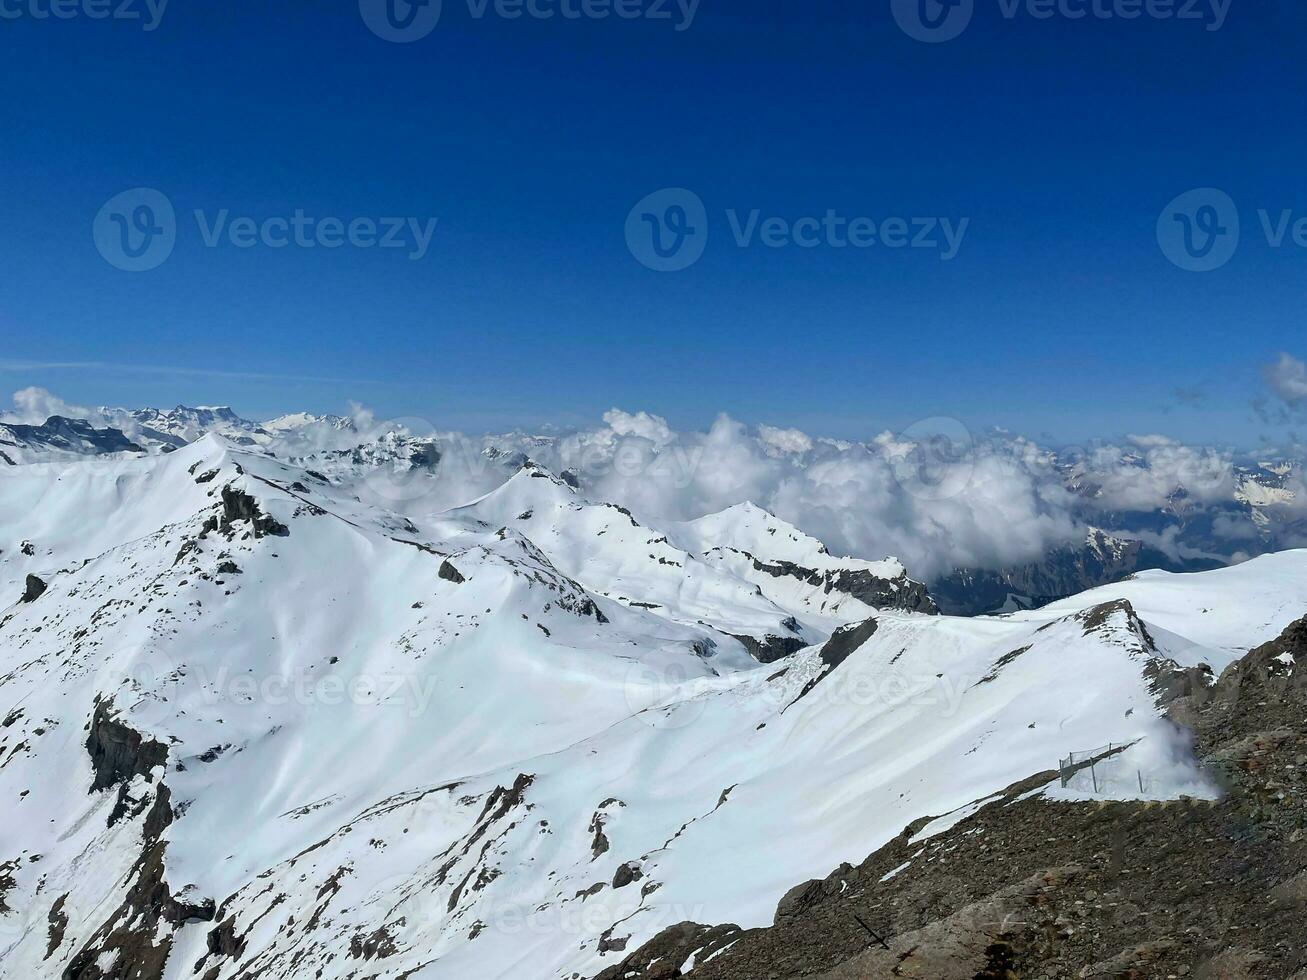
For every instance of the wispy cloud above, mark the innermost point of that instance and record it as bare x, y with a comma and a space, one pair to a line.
16, 367
1287, 379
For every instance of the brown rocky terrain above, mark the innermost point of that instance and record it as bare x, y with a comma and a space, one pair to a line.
1029, 887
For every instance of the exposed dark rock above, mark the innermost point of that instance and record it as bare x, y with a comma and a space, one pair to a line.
662, 956
879, 593
57, 920
119, 753
223, 941
7, 883
228, 568
627, 873
379, 944
845, 640
839, 648
449, 573
237, 505
599, 844
771, 647
35, 589
135, 939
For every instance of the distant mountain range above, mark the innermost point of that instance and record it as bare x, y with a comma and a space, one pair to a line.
398, 466
60, 438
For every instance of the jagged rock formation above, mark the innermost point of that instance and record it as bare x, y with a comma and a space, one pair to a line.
34, 588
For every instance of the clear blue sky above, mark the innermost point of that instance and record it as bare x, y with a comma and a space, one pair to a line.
530, 140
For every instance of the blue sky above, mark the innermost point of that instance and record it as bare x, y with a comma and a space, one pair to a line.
1059, 140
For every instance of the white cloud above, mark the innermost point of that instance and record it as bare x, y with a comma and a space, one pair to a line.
1150, 441
785, 441
32, 406
1287, 378
1001, 501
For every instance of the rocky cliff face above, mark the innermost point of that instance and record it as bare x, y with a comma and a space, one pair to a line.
1101, 559
1030, 886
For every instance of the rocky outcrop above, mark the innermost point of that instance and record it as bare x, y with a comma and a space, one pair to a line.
662, 957
35, 588
770, 647
237, 505
118, 752
875, 591
1028, 887
134, 940
838, 649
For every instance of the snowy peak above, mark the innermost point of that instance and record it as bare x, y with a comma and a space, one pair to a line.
761, 534
303, 420
188, 424
60, 438
798, 571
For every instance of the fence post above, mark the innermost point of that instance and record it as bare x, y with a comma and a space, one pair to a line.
1093, 774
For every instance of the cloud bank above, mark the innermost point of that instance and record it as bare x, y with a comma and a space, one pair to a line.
934, 495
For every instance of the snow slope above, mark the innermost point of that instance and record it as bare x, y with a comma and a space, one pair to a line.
259, 727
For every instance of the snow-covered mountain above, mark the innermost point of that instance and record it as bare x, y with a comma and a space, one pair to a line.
182, 425
1096, 516
255, 722
59, 439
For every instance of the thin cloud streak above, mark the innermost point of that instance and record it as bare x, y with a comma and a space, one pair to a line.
19, 366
